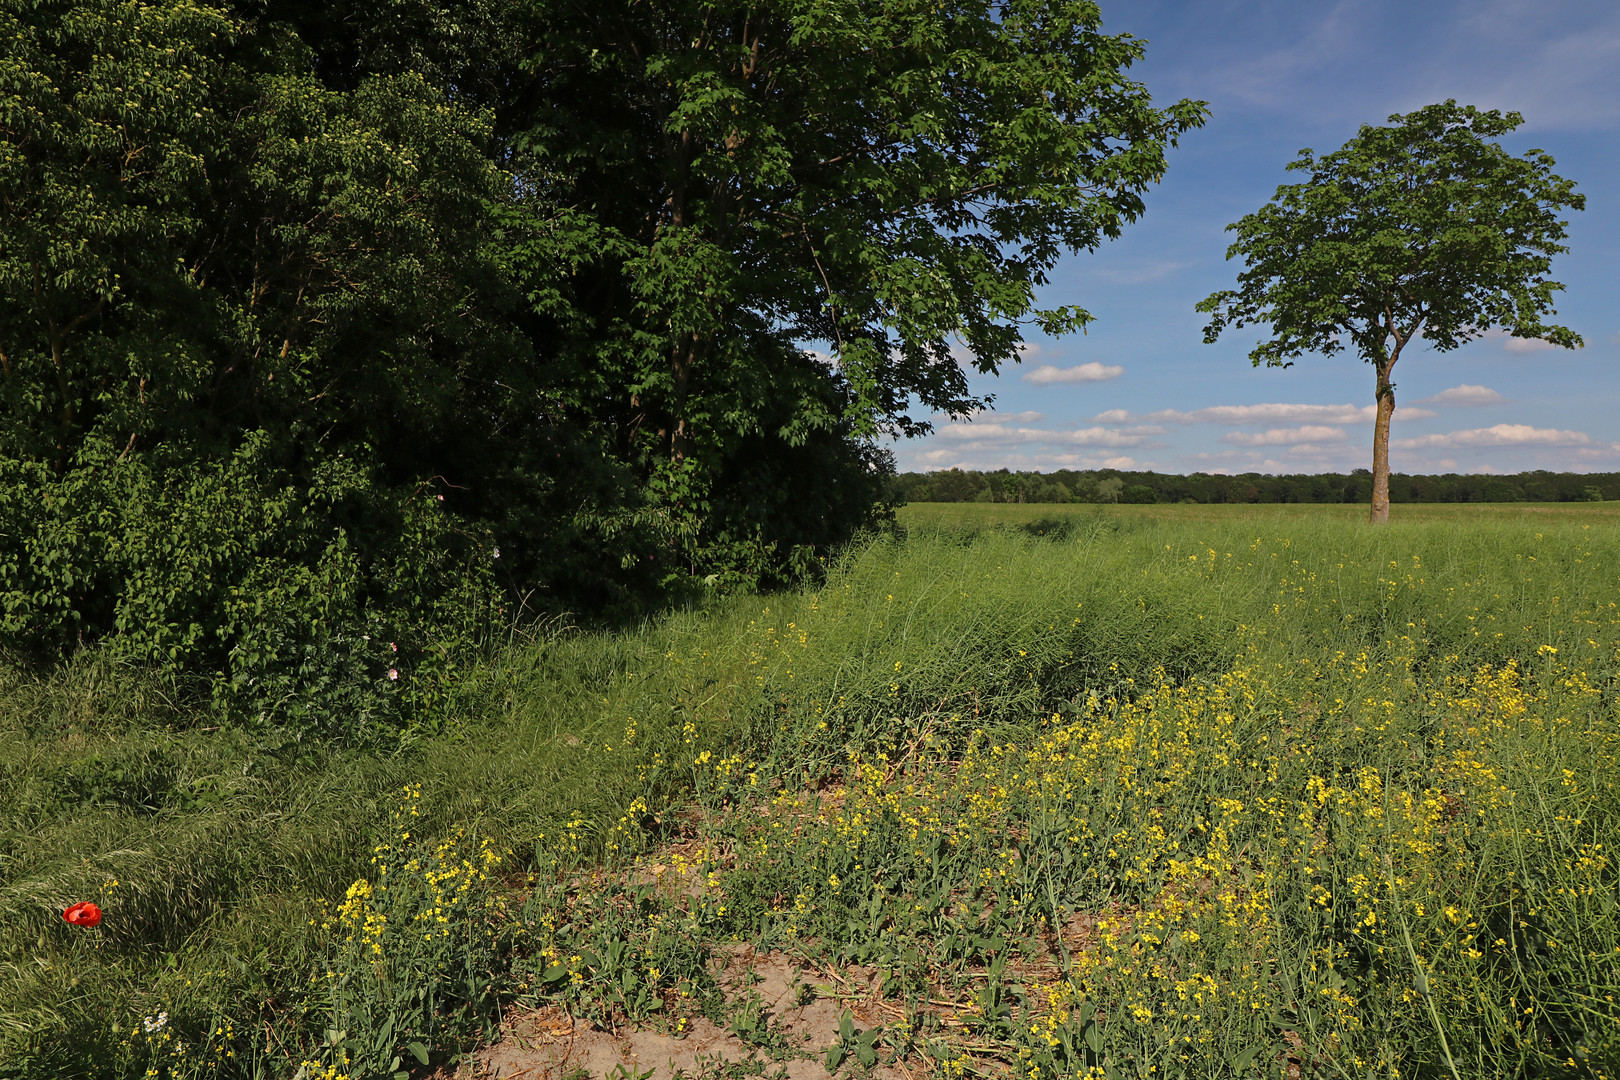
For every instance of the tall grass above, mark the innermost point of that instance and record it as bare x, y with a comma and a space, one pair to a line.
211, 856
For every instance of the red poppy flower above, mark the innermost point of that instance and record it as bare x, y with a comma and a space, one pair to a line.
84, 913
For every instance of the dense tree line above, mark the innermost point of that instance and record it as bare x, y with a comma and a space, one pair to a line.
330, 330
1115, 486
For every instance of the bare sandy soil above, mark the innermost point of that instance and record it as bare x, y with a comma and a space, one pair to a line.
795, 1028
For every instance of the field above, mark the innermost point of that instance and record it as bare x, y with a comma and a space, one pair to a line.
1050, 791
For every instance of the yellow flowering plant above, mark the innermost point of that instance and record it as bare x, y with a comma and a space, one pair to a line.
415, 948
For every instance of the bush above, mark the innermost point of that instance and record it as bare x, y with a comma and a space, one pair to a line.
321, 609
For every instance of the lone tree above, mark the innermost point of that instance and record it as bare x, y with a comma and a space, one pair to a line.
1424, 228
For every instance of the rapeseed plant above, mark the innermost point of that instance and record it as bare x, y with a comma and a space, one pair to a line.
1282, 862
414, 947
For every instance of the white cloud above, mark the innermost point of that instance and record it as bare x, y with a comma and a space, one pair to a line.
1275, 413
1503, 435
963, 355
1465, 394
935, 458
1525, 345
1516, 344
1285, 436
1084, 373
983, 435
955, 458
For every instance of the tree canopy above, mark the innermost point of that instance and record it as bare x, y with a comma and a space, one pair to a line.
1421, 229
892, 180
314, 310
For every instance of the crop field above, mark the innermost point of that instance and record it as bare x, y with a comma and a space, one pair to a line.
1036, 791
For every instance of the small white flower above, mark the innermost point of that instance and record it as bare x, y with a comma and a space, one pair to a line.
393, 674
154, 1024
497, 553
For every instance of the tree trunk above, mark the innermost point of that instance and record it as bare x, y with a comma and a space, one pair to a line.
1380, 469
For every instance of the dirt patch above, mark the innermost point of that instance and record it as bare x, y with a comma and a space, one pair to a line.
789, 1026
557, 1050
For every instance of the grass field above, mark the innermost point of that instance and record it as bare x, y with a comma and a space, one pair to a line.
1151, 791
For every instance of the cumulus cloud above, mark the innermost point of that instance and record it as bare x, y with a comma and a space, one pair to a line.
983, 435
1084, 373
1275, 413
1311, 433
1503, 435
1465, 394
957, 458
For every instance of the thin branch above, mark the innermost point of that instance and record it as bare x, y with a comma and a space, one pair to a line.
832, 308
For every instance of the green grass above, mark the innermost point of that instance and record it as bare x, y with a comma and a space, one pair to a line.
222, 853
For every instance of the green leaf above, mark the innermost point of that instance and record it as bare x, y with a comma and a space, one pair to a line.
1239, 1062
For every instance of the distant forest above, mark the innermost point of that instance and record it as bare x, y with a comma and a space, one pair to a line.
1112, 485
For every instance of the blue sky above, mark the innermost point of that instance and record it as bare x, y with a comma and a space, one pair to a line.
1140, 390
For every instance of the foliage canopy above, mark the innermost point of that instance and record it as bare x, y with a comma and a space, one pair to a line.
326, 326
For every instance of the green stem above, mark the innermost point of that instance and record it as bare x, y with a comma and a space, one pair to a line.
1428, 998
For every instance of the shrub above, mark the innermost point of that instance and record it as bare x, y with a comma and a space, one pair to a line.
309, 605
